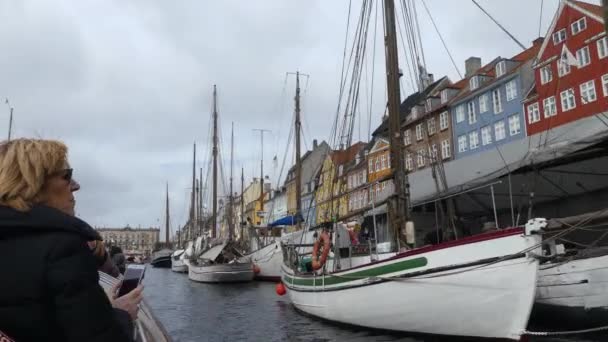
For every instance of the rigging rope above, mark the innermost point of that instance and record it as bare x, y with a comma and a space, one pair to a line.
441, 38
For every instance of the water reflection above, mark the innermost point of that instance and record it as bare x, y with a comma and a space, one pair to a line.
253, 312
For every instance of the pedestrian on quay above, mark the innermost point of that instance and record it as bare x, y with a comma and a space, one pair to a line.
49, 289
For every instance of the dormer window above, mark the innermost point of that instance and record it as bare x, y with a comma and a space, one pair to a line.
414, 112
474, 82
578, 25
444, 96
501, 68
559, 36
429, 105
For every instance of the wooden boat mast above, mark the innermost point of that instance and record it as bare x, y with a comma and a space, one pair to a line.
398, 208
215, 152
298, 127
231, 197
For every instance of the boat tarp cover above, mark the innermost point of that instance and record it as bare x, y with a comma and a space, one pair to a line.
287, 221
213, 252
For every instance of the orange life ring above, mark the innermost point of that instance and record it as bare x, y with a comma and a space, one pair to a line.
317, 263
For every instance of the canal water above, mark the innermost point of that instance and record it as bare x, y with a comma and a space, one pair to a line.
193, 311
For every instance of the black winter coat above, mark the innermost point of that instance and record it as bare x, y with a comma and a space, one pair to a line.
49, 288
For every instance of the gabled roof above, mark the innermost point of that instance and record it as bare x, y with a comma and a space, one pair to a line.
407, 105
590, 10
341, 157
490, 71
377, 143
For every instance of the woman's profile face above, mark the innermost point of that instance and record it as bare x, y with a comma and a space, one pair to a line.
58, 191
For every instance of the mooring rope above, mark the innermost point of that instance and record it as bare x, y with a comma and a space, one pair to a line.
565, 332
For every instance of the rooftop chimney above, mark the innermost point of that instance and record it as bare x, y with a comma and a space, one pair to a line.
315, 144
471, 65
538, 41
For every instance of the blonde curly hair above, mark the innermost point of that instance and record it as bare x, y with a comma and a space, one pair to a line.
25, 165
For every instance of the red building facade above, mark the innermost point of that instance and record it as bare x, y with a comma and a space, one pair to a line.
571, 72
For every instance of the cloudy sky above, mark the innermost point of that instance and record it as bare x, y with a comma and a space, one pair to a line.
127, 84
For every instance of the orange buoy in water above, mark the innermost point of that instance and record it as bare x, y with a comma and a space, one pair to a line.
280, 288
256, 269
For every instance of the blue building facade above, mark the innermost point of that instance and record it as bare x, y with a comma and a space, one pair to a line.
489, 111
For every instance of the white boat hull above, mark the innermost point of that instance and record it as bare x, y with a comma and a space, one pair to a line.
491, 301
581, 283
179, 266
268, 260
221, 273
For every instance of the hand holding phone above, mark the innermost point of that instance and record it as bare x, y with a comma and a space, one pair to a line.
134, 274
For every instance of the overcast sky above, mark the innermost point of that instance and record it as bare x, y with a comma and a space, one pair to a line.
127, 84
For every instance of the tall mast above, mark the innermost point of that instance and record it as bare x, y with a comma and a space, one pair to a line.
214, 213
398, 206
200, 202
298, 158
193, 196
231, 213
262, 167
242, 202
167, 217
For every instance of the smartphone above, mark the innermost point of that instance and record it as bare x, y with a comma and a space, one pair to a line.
134, 274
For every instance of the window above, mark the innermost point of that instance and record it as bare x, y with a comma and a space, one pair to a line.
409, 163
431, 126
582, 55
433, 153
605, 84
568, 100
483, 103
420, 158
462, 143
546, 75
350, 182
486, 135
559, 36
361, 177
496, 101
419, 132
578, 25
429, 105
514, 126
562, 68
444, 96
472, 116
407, 140
371, 165
549, 107
388, 161
460, 114
443, 121
602, 48
511, 90
499, 130
473, 140
383, 161
533, 113
445, 149
588, 92
501, 68
474, 82
378, 164
414, 112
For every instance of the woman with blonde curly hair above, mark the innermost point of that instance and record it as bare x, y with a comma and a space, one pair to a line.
49, 288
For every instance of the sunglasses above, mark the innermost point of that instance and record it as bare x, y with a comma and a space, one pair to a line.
66, 174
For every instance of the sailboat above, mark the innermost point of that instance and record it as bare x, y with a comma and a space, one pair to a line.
492, 276
163, 257
221, 262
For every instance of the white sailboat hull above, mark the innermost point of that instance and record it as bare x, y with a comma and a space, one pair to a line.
179, 266
269, 260
581, 284
491, 301
221, 273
